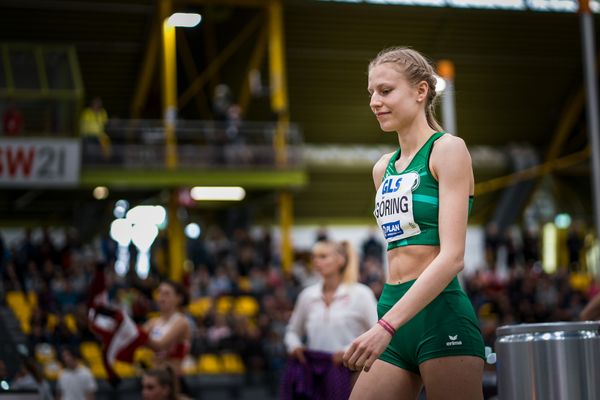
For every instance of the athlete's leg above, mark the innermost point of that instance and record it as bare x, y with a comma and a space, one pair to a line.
453, 378
386, 381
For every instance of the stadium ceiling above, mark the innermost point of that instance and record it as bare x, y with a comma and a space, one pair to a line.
528, 5
519, 75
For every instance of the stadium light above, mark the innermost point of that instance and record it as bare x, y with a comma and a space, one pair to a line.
100, 192
184, 20
192, 230
218, 193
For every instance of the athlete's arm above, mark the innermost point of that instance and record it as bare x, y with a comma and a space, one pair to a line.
147, 327
379, 169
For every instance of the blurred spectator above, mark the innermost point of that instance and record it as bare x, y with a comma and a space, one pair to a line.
330, 315
514, 250
372, 247
12, 120
236, 148
322, 234
38, 334
574, 246
219, 333
76, 381
30, 377
160, 384
372, 275
96, 143
220, 283
531, 246
170, 332
63, 335
493, 241
221, 101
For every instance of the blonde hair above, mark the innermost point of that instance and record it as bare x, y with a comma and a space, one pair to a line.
346, 250
416, 68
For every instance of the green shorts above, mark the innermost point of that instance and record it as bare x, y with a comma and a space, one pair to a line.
446, 327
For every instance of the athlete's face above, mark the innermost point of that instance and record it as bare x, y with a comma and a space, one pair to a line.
168, 299
153, 390
326, 260
394, 101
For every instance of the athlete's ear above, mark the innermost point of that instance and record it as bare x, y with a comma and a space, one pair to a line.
422, 90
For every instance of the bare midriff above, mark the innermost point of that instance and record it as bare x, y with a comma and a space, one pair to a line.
408, 262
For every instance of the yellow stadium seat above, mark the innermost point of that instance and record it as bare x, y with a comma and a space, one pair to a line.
91, 351
200, 306
247, 306
224, 304
20, 306
25, 326
51, 322
244, 284
32, 298
52, 370
71, 323
98, 371
15, 297
580, 281
125, 370
209, 364
232, 363
143, 355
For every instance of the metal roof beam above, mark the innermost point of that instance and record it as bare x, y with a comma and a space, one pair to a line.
87, 6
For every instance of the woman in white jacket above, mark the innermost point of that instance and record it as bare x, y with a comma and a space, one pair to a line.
330, 314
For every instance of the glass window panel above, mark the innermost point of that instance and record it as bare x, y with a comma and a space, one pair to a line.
58, 70
24, 69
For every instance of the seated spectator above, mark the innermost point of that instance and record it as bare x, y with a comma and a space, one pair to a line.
92, 131
219, 333
30, 377
63, 335
38, 334
12, 120
76, 381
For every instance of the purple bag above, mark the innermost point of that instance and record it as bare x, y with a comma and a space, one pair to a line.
318, 379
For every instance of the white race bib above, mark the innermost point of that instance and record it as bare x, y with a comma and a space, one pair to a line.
394, 206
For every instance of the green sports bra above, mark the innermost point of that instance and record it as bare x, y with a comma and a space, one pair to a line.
407, 202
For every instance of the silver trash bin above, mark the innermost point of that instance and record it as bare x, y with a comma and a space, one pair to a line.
550, 361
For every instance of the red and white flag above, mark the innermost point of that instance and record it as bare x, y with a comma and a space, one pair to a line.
119, 335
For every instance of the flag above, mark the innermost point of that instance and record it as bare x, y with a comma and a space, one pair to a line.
119, 335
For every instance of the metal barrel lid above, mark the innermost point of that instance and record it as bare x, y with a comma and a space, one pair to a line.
548, 327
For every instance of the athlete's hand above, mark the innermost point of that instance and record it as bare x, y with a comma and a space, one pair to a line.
337, 358
366, 348
298, 354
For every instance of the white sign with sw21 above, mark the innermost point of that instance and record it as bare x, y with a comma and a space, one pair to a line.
39, 162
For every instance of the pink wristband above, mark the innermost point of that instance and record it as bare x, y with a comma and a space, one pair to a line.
387, 326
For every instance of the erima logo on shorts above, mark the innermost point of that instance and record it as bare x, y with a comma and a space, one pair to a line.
453, 341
